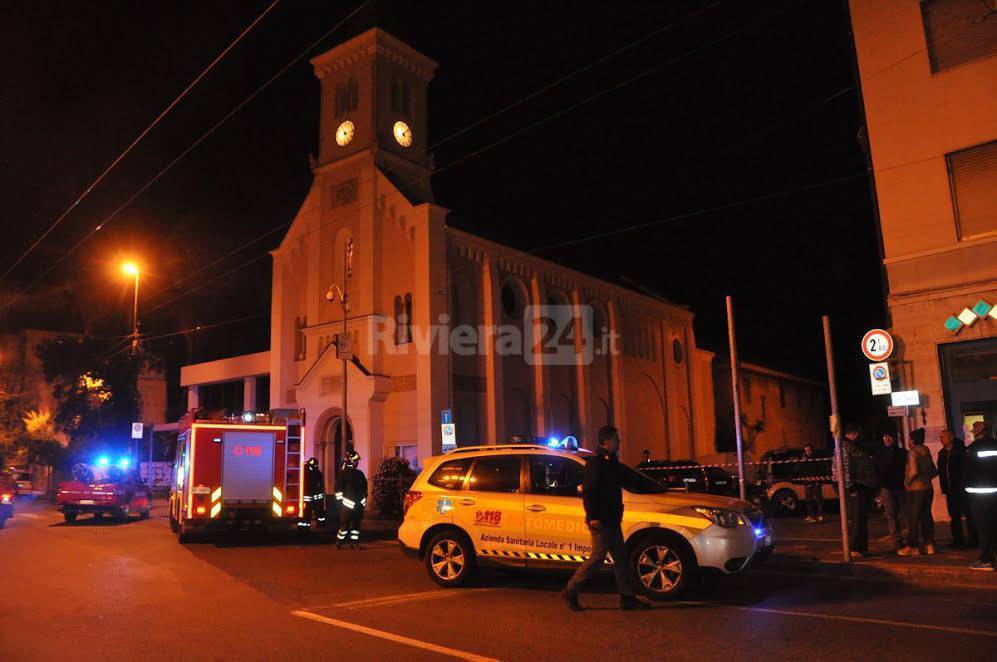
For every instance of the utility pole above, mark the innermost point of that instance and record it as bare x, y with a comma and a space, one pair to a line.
735, 387
836, 432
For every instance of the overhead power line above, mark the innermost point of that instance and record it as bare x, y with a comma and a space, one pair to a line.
13, 265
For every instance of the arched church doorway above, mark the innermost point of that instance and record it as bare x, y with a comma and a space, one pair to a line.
330, 450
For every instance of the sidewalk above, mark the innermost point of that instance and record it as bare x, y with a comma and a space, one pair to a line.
816, 549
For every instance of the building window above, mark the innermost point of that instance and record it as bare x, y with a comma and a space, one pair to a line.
746, 387
763, 406
347, 97
300, 341
401, 97
512, 298
679, 354
958, 31
973, 180
403, 319
782, 395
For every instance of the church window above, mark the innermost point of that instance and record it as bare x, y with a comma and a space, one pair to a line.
403, 319
512, 300
300, 341
401, 97
347, 97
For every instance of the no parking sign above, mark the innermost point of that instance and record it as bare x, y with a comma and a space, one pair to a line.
879, 377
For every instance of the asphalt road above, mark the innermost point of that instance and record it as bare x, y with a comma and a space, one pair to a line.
90, 591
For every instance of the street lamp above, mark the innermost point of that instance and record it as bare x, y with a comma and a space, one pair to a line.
131, 269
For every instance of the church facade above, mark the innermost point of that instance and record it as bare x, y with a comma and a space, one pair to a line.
440, 319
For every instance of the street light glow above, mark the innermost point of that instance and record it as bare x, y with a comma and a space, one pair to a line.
130, 268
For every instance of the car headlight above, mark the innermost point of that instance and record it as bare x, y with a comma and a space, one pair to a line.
719, 516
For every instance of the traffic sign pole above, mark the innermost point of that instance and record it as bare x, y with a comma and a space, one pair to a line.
836, 431
735, 386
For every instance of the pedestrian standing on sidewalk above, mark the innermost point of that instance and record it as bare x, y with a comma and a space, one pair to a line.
920, 472
602, 498
861, 483
891, 466
981, 488
951, 476
813, 488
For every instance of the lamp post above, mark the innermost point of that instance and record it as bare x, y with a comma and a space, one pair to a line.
336, 292
131, 269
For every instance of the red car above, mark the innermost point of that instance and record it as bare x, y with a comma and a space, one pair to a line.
104, 490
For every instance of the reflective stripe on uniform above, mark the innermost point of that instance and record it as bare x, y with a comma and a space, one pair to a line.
341, 535
982, 490
363, 501
348, 503
339, 495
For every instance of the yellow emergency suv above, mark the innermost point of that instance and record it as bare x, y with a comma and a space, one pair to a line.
520, 505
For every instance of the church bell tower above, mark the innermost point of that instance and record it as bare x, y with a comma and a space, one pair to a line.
373, 100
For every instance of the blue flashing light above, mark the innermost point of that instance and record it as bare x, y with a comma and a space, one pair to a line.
553, 441
759, 533
123, 463
103, 460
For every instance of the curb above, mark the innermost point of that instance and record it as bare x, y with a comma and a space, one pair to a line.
879, 571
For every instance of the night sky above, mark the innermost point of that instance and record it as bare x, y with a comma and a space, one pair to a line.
740, 101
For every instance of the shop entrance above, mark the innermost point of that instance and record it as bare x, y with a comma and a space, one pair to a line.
969, 379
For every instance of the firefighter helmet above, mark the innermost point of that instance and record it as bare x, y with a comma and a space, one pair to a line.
312, 463
351, 459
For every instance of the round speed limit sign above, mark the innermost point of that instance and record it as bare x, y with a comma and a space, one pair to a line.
877, 345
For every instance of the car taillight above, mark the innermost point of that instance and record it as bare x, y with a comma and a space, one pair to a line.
5, 498
410, 498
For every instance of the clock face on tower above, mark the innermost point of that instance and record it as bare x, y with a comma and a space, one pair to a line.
403, 134
344, 134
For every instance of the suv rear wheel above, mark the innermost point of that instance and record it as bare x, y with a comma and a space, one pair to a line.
785, 502
450, 558
661, 566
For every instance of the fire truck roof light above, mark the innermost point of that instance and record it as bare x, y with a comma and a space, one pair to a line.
248, 417
103, 460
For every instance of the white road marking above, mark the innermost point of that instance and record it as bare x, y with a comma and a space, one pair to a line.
862, 619
401, 598
397, 638
27, 516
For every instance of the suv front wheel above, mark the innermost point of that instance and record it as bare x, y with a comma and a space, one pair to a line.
661, 567
450, 558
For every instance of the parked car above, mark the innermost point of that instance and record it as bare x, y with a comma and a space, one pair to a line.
104, 490
690, 476
780, 483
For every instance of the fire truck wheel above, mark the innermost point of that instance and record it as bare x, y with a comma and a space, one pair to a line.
124, 513
69, 517
174, 525
184, 534
144, 514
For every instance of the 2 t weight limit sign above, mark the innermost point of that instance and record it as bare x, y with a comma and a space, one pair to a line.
877, 345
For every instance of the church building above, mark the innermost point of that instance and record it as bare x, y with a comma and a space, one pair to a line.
441, 321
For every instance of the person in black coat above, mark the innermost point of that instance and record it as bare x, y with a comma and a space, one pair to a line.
314, 495
351, 490
981, 488
861, 483
891, 463
602, 497
951, 476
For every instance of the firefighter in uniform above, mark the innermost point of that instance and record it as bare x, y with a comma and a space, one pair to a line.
314, 497
981, 488
351, 492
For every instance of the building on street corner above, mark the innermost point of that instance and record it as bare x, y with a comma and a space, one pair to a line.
929, 83
442, 319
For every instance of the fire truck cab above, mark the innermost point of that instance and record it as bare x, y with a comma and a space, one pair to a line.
237, 472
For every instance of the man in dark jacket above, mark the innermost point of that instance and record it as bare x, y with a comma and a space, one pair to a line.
891, 461
861, 483
981, 487
951, 470
602, 496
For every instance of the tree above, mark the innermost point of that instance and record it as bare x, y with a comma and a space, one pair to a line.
96, 389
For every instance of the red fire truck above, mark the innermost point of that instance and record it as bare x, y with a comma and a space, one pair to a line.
237, 472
